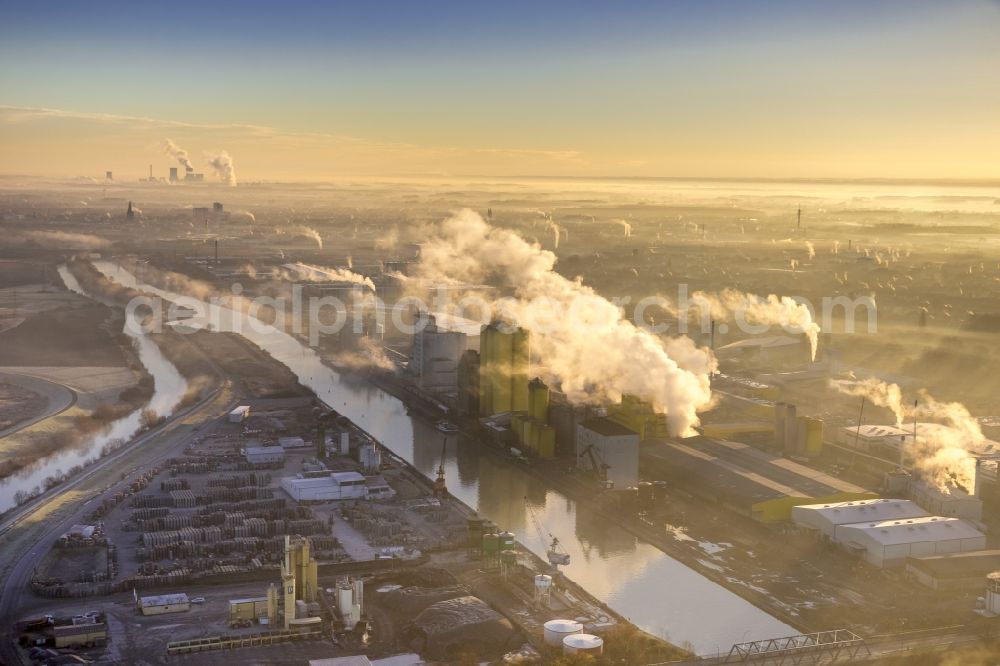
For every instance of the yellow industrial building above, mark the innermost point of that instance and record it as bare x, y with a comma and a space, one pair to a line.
503, 370
531, 428
639, 416
298, 584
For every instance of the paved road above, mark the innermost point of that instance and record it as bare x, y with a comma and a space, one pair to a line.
30, 531
59, 398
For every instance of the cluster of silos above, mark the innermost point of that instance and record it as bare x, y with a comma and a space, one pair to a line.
493, 545
370, 457
531, 429
796, 435
569, 635
350, 599
503, 370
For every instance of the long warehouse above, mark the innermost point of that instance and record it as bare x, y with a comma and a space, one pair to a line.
746, 480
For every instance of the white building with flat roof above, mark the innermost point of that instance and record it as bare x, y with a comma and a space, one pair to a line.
824, 518
612, 447
888, 543
260, 455
239, 414
336, 486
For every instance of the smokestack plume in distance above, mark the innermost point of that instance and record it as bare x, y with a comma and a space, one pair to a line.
178, 154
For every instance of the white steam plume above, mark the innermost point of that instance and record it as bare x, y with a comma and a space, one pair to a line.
223, 166
307, 232
581, 340
753, 309
177, 153
810, 250
947, 434
626, 227
64, 239
322, 274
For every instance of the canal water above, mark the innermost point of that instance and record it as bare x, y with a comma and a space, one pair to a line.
169, 388
636, 579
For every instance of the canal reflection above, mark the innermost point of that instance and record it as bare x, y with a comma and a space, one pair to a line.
636, 579
168, 389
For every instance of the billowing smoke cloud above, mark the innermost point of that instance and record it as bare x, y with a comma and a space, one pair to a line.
314, 273
946, 432
63, 239
581, 341
177, 153
752, 309
223, 166
307, 232
877, 392
626, 227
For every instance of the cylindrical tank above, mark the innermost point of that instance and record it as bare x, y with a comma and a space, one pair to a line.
993, 592
554, 631
345, 599
506, 541
508, 557
660, 490
538, 399
543, 582
475, 526
517, 427
583, 644
527, 426
359, 591
491, 547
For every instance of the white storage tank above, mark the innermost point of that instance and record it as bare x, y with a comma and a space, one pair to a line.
345, 600
583, 644
993, 593
555, 631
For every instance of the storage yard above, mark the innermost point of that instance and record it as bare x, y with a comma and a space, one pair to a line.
231, 546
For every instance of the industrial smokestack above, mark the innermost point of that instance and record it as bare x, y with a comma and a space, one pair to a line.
178, 154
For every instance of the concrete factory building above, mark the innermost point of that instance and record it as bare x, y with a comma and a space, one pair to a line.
263, 455
613, 446
888, 543
164, 603
746, 480
954, 571
825, 518
327, 488
436, 355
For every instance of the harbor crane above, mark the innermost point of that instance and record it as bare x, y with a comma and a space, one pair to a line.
440, 488
556, 554
597, 465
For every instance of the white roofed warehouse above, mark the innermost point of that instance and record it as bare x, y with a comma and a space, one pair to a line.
888, 543
335, 486
824, 518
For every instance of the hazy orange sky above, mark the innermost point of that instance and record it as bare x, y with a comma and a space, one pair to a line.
303, 91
